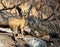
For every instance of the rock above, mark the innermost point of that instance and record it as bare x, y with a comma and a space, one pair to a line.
46, 11
30, 32
27, 29
6, 30
56, 42
37, 33
46, 37
25, 6
35, 42
33, 12
21, 43
6, 41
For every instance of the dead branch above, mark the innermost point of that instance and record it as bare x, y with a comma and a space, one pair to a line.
10, 8
48, 17
32, 3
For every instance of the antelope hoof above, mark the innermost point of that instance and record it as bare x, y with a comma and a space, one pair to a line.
20, 37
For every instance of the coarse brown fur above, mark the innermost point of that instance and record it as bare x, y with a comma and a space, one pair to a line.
14, 23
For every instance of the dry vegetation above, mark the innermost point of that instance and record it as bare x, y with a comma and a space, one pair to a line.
42, 16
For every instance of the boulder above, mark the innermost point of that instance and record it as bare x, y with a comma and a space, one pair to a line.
6, 41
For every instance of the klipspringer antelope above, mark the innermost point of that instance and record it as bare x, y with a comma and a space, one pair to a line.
14, 23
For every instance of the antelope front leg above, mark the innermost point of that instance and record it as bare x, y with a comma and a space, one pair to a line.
15, 32
22, 32
20, 35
